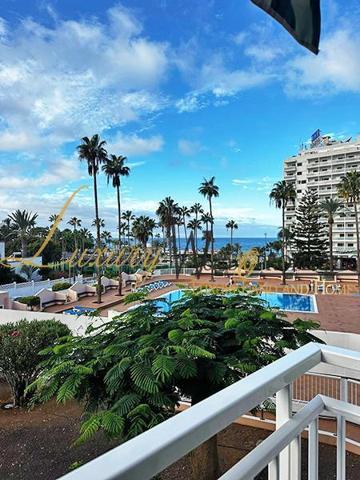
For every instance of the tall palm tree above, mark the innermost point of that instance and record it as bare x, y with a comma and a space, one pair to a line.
349, 190
194, 225
115, 168
330, 206
93, 152
281, 194
85, 235
209, 190
231, 225
75, 222
168, 211
197, 210
128, 217
22, 224
184, 212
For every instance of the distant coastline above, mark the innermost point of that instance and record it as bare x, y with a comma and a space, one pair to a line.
246, 243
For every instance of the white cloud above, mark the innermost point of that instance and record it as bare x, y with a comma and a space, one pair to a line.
238, 181
133, 145
188, 147
78, 77
336, 69
58, 171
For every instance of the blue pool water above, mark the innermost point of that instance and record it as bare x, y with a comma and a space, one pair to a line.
289, 302
77, 310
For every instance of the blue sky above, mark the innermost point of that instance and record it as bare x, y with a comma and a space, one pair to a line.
184, 89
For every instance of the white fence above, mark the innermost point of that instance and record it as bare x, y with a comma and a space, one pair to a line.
172, 271
24, 289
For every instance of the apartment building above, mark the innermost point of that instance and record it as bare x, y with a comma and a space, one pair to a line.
320, 168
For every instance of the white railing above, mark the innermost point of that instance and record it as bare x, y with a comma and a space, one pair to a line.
148, 454
172, 271
31, 288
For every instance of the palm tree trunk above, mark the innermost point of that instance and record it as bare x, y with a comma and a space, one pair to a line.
98, 240
179, 243
75, 243
231, 244
119, 227
175, 250
185, 232
23, 246
357, 243
331, 247
283, 246
212, 241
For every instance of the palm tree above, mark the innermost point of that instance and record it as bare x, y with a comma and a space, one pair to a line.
330, 206
142, 228
184, 212
92, 150
281, 194
114, 169
168, 212
22, 223
231, 225
53, 218
85, 235
128, 217
197, 209
194, 225
74, 222
209, 190
106, 237
349, 190
98, 222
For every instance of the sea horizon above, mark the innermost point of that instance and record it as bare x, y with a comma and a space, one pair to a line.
246, 243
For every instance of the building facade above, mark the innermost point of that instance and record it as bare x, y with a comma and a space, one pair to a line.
320, 169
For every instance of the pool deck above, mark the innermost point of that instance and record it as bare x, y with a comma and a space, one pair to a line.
340, 312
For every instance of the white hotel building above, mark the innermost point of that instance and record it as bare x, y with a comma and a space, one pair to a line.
320, 169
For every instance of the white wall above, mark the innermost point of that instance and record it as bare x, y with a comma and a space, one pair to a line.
77, 325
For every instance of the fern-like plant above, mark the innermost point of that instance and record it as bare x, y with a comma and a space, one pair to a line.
131, 372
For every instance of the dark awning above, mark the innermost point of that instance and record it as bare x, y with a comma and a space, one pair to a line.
301, 18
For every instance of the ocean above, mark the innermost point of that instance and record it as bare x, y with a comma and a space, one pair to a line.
246, 243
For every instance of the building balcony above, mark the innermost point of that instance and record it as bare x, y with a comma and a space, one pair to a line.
151, 452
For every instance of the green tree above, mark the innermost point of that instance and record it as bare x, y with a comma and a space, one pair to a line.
93, 152
209, 190
329, 207
281, 195
22, 225
309, 233
114, 169
130, 373
20, 344
349, 190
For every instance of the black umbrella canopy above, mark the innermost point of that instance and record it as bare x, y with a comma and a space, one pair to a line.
301, 18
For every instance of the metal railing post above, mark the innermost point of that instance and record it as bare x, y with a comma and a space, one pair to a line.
341, 435
273, 469
283, 414
295, 460
313, 445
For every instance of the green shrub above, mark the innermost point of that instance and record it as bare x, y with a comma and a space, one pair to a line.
31, 301
20, 344
61, 286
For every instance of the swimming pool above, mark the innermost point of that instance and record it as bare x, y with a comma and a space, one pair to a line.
288, 302
78, 310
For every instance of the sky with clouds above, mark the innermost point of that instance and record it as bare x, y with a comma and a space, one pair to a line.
184, 89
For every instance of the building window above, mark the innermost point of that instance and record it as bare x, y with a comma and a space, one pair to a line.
299, 173
350, 244
340, 244
299, 164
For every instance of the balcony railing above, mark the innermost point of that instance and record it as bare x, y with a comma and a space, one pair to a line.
151, 452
